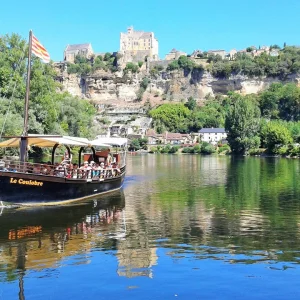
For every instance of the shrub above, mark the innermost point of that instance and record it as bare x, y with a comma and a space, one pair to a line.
283, 150
254, 152
196, 149
145, 82
72, 68
153, 150
187, 150
140, 93
224, 148
173, 149
207, 149
293, 150
131, 67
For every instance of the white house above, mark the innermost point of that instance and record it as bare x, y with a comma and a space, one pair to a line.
212, 135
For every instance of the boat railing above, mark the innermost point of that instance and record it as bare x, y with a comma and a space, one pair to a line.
29, 167
59, 170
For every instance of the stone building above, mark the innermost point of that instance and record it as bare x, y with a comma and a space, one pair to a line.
71, 51
197, 53
222, 53
174, 54
137, 45
232, 54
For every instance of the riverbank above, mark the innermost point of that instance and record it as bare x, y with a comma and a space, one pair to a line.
210, 150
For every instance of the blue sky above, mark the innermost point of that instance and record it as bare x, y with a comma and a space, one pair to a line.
184, 25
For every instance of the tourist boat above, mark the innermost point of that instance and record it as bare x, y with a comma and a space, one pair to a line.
26, 183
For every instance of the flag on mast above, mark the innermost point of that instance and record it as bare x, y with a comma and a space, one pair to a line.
39, 50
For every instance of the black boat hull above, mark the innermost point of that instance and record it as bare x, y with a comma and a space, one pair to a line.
29, 189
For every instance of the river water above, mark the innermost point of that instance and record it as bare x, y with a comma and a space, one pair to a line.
183, 226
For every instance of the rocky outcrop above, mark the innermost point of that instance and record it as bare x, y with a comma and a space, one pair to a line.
122, 89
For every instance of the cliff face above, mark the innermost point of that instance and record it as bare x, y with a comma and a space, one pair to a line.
122, 89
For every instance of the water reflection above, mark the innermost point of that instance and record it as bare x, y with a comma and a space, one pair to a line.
183, 213
229, 204
39, 238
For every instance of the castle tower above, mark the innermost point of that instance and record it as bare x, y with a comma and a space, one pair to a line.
138, 45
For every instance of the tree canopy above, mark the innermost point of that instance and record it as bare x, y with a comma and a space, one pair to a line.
50, 111
285, 63
242, 124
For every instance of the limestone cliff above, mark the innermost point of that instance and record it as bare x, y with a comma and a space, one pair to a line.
122, 89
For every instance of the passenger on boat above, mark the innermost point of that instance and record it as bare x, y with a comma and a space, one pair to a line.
86, 169
116, 169
96, 170
102, 170
44, 169
75, 171
29, 168
4, 168
69, 170
67, 159
109, 159
49, 168
60, 171
36, 169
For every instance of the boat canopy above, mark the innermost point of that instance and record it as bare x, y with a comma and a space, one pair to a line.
111, 141
47, 141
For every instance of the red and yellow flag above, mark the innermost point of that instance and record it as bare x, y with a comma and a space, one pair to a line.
39, 50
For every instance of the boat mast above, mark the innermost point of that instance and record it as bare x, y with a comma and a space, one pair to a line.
23, 146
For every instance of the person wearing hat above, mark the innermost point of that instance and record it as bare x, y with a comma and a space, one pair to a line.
96, 169
102, 169
86, 170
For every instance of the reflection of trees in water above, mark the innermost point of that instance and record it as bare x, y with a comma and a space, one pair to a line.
256, 207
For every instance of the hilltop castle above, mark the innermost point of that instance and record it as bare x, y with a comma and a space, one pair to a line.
137, 45
71, 51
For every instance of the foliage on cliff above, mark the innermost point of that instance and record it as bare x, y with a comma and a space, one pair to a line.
286, 63
184, 63
84, 66
49, 112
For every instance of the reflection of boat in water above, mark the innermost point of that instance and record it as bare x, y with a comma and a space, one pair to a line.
41, 237
16, 224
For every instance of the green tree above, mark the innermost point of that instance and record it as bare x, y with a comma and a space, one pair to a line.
242, 124
269, 101
275, 135
134, 145
191, 103
50, 112
173, 117
185, 63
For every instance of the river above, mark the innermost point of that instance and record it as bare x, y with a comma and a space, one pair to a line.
182, 227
